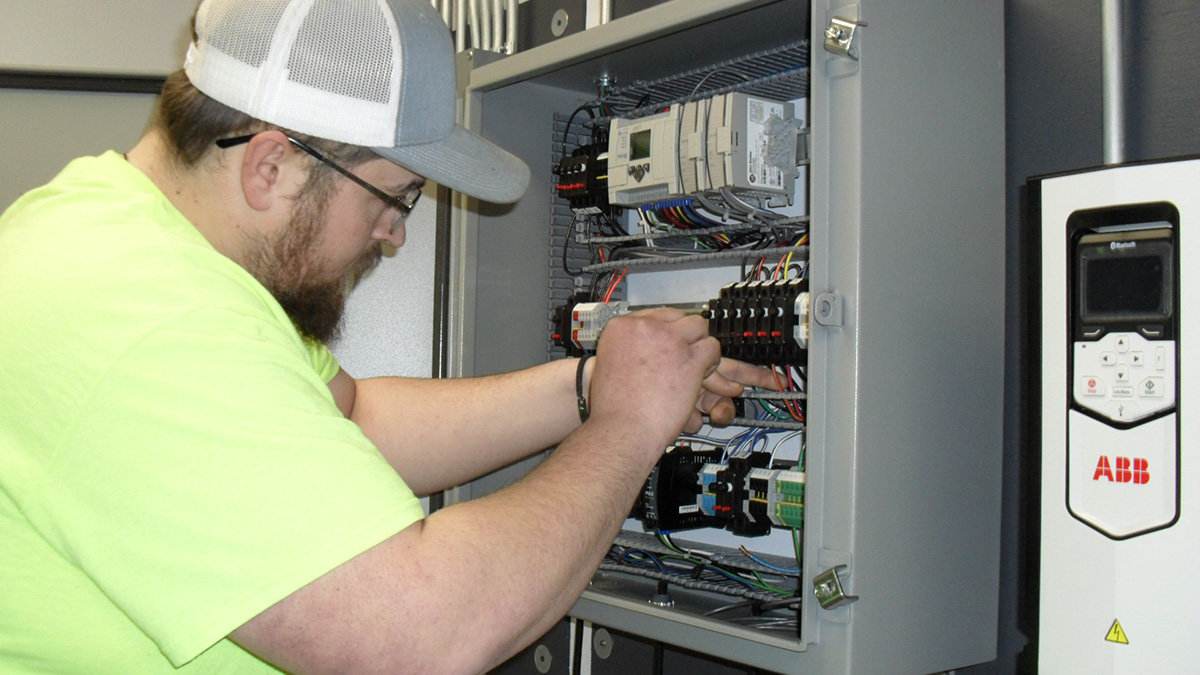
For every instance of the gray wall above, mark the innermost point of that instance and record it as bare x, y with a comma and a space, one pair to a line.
145, 37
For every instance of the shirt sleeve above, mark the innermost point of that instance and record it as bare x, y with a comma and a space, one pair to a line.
211, 476
323, 360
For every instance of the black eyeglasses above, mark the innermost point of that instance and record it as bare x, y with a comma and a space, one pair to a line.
403, 205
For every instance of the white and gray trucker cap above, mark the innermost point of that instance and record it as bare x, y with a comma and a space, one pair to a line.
373, 73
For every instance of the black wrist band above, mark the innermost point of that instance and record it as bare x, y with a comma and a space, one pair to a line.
579, 398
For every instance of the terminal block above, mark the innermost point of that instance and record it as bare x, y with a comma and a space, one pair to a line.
785, 498
761, 322
577, 325
561, 330
588, 319
583, 179
725, 493
775, 497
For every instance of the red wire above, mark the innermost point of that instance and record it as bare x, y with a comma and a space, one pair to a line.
793, 406
613, 286
797, 412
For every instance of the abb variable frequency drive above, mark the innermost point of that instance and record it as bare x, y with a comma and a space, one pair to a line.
1117, 586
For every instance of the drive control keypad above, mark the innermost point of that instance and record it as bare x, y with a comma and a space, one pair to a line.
1124, 376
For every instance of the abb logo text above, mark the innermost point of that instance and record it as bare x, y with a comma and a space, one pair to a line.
1123, 470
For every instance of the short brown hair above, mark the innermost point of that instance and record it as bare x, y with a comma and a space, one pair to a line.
192, 123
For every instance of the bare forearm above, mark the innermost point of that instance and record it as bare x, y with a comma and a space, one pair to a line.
473, 583
554, 528
438, 433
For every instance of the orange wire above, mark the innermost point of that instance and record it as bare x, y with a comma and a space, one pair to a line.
793, 407
613, 286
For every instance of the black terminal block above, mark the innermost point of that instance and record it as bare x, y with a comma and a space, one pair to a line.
757, 321
741, 520
582, 179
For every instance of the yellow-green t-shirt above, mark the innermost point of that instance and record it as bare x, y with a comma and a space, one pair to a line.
171, 460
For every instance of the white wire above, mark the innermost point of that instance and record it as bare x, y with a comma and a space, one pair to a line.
510, 38
460, 25
473, 20
485, 23
781, 441
497, 16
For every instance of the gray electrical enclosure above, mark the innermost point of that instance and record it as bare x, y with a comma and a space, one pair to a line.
905, 195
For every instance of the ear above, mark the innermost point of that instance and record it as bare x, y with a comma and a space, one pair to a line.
269, 170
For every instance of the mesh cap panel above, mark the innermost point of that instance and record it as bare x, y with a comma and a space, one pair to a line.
253, 22
344, 48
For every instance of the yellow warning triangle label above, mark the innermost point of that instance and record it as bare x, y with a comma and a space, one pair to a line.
1117, 634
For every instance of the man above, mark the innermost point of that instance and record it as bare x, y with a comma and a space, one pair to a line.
188, 480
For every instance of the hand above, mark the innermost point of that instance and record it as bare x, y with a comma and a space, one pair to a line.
649, 371
726, 381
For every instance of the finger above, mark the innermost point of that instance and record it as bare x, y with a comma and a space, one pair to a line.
748, 375
718, 384
694, 423
693, 328
720, 409
661, 313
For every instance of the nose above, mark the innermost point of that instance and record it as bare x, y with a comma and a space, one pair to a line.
384, 232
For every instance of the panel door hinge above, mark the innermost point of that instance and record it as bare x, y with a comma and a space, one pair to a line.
839, 37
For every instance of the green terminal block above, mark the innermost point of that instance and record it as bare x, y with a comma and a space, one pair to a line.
785, 499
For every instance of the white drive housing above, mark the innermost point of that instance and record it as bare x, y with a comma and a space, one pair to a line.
1120, 472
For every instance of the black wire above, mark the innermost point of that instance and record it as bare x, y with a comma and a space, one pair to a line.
567, 130
610, 220
566, 244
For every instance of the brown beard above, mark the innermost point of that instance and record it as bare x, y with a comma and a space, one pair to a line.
289, 266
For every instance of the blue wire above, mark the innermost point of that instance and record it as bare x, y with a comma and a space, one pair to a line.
653, 558
768, 565
731, 576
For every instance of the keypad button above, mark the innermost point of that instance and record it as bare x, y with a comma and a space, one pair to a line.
1152, 387
1092, 385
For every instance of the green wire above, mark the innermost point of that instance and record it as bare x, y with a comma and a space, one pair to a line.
761, 584
769, 587
666, 541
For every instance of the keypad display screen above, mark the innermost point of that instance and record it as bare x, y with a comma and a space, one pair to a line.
1124, 286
